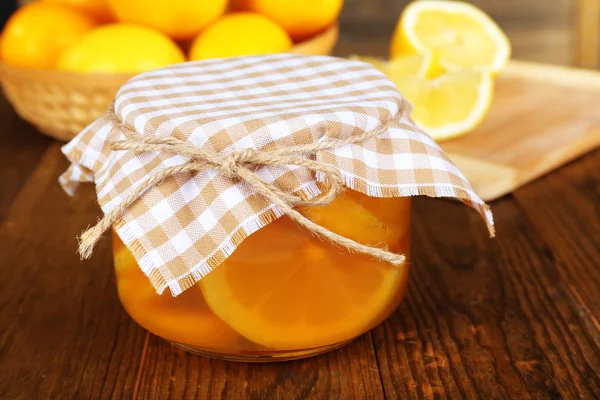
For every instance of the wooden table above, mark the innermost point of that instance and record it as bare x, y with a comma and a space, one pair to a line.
513, 317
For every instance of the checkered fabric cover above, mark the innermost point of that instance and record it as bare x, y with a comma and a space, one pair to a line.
181, 229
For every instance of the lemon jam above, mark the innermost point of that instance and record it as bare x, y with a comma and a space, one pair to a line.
284, 293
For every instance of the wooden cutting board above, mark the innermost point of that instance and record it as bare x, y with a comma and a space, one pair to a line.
542, 116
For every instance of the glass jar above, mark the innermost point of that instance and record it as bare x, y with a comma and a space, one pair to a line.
284, 293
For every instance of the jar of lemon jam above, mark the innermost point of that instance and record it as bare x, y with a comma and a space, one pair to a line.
284, 293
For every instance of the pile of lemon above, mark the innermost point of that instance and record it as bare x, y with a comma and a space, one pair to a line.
443, 58
132, 36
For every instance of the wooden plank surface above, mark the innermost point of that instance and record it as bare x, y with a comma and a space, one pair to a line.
570, 225
487, 320
16, 161
63, 333
351, 372
541, 117
513, 317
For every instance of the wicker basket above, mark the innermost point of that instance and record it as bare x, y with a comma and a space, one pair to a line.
60, 104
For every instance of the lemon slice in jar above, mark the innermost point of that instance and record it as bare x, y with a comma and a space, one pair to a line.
185, 319
285, 289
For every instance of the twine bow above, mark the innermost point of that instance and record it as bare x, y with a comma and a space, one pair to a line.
239, 165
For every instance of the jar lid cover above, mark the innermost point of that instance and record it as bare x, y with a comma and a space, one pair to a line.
194, 122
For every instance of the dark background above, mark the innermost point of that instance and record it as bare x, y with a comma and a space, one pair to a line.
6, 8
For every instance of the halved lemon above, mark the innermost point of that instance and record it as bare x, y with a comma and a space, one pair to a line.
446, 105
424, 65
449, 105
462, 35
285, 289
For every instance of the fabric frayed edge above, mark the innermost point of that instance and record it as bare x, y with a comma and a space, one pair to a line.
178, 285
73, 177
428, 190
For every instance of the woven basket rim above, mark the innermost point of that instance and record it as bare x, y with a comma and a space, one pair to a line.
79, 96
327, 38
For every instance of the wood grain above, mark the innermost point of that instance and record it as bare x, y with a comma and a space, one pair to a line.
514, 317
487, 319
570, 224
63, 333
16, 161
350, 372
541, 117
511, 318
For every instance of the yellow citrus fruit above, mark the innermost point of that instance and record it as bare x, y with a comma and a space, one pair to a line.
185, 319
301, 19
240, 34
377, 62
96, 8
283, 288
179, 19
36, 34
461, 34
423, 65
449, 105
120, 48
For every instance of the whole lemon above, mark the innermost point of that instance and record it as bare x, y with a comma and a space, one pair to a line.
98, 9
240, 34
179, 19
300, 18
120, 48
36, 34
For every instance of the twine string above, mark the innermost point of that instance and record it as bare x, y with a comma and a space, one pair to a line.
241, 165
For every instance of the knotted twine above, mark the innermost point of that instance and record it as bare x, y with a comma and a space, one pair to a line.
241, 166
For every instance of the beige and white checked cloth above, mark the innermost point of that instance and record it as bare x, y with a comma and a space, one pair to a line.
182, 228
